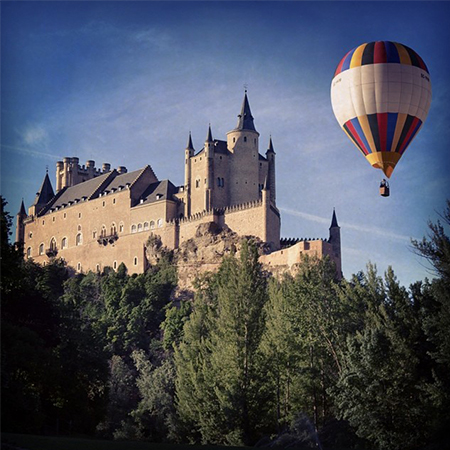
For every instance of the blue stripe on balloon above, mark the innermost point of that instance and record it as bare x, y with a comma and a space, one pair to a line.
416, 129
392, 55
358, 129
347, 60
392, 121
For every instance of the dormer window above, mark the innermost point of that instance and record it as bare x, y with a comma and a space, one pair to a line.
158, 196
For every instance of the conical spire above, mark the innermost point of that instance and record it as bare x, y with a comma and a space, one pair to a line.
45, 193
270, 149
190, 145
334, 222
209, 138
245, 121
22, 211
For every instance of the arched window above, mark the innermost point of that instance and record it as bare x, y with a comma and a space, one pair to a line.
160, 223
121, 227
135, 261
103, 232
146, 226
133, 228
79, 267
113, 228
197, 183
152, 225
98, 267
218, 182
64, 242
41, 249
245, 138
79, 227
29, 252
139, 227
79, 239
53, 244
115, 265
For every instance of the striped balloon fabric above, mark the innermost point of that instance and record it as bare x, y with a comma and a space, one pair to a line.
381, 94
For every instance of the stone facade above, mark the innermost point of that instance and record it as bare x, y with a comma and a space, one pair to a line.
103, 217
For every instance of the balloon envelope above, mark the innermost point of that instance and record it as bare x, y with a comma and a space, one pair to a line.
381, 94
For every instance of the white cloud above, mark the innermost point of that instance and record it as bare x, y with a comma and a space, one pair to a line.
35, 135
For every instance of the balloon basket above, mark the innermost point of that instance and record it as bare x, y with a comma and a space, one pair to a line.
384, 191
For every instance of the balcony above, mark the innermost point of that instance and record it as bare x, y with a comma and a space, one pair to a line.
110, 239
51, 252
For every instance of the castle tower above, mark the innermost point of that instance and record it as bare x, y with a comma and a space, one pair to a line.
44, 195
21, 215
188, 154
209, 155
243, 143
335, 241
270, 155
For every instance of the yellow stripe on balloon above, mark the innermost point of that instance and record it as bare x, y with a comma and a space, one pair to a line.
357, 56
401, 119
403, 54
364, 122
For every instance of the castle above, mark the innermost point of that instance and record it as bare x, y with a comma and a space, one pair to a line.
103, 217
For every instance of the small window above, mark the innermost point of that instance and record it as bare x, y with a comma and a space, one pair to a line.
30, 235
94, 234
121, 227
139, 228
41, 249
103, 232
64, 242
254, 141
43, 222
79, 267
79, 227
160, 223
79, 239
234, 140
218, 182
114, 201
97, 267
53, 219
245, 138
79, 215
146, 226
135, 261
197, 183
152, 225
65, 215
115, 265
29, 252
133, 228
113, 229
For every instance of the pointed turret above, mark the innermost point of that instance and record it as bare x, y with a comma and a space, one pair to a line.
334, 222
335, 241
270, 149
245, 118
45, 193
21, 215
209, 137
43, 196
190, 146
270, 155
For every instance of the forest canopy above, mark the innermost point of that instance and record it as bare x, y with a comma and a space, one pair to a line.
300, 362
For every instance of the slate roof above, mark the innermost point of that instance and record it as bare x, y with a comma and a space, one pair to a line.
45, 193
245, 118
123, 179
219, 147
80, 191
161, 190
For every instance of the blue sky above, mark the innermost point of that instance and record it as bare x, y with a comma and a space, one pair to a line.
125, 82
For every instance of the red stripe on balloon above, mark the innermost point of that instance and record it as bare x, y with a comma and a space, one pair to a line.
382, 119
339, 67
412, 128
356, 137
379, 54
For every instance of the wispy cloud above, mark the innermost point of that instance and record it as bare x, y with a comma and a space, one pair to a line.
35, 135
360, 228
29, 152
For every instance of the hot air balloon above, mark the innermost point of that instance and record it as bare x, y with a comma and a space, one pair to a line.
381, 94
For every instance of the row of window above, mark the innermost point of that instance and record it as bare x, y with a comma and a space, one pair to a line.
146, 226
114, 266
220, 182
